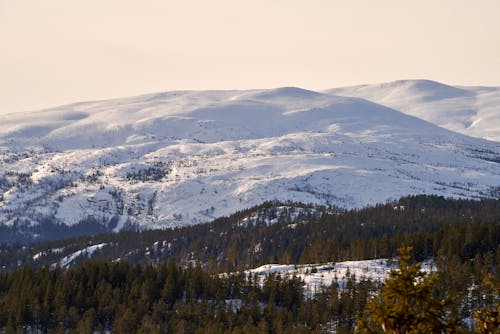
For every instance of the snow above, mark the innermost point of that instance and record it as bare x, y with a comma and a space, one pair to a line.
280, 213
316, 276
186, 157
38, 255
66, 261
474, 111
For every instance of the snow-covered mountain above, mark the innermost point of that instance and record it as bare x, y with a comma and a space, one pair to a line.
474, 111
186, 157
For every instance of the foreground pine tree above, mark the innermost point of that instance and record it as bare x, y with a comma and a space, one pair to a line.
407, 304
488, 318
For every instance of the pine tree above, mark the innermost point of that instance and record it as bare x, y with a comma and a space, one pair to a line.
87, 322
406, 303
488, 318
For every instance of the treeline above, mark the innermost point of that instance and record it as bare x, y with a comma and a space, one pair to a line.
23, 232
433, 225
127, 298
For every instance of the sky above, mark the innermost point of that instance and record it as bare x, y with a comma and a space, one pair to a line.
55, 52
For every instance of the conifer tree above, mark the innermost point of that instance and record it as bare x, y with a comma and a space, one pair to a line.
406, 303
488, 318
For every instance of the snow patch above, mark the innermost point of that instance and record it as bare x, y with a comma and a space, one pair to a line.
316, 276
66, 261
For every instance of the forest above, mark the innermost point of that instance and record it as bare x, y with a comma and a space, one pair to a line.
193, 282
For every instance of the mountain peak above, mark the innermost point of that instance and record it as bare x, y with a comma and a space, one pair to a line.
287, 92
428, 89
472, 111
179, 158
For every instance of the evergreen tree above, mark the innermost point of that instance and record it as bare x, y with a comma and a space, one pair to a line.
488, 318
406, 303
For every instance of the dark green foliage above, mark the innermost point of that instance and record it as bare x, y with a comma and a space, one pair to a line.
488, 318
24, 232
406, 303
153, 293
436, 227
126, 298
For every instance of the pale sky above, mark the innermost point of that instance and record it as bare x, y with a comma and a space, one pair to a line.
54, 52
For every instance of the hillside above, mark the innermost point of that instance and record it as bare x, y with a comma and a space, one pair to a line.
268, 263
287, 233
187, 157
473, 111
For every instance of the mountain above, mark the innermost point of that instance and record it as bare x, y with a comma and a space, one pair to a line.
186, 157
474, 111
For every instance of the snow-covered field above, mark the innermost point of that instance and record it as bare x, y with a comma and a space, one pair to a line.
316, 276
186, 157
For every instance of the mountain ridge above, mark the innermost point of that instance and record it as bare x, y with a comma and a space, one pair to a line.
176, 158
473, 111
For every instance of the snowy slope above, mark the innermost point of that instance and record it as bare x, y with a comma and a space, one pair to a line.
186, 157
317, 276
66, 261
474, 111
